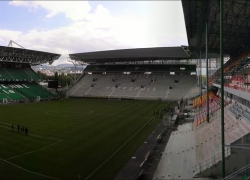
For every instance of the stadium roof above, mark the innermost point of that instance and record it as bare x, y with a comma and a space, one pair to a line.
19, 55
128, 55
236, 25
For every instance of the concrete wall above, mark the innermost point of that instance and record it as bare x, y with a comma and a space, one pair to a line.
242, 94
238, 159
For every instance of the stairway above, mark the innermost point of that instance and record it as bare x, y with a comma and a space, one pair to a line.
208, 141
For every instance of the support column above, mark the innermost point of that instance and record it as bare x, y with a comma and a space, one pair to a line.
222, 90
207, 70
197, 72
200, 80
75, 72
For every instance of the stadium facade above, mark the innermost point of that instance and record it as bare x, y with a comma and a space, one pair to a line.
215, 144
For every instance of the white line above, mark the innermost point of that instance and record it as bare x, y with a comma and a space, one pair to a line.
32, 151
28, 170
28, 153
111, 92
167, 93
87, 91
122, 145
119, 148
58, 140
5, 123
6, 160
77, 88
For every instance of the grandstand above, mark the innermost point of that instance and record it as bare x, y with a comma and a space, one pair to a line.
18, 82
215, 145
192, 138
203, 148
116, 77
136, 85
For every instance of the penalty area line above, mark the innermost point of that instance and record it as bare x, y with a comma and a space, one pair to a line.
32, 172
52, 144
19, 167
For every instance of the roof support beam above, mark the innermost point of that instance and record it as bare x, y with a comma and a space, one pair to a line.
207, 70
222, 90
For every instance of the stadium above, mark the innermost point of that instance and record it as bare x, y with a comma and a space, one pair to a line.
142, 113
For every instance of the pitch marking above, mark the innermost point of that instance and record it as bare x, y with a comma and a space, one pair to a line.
122, 145
32, 172
6, 160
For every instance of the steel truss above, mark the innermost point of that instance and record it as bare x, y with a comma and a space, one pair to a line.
236, 25
18, 55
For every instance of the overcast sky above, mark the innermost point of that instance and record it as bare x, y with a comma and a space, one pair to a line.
67, 27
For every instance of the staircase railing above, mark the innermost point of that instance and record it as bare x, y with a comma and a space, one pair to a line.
242, 174
243, 53
202, 166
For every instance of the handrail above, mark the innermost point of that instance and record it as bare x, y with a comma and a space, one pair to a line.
213, 160
227, 64
236, 173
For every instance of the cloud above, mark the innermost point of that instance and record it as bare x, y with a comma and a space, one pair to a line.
30, 4
7, 35
75, 10
99, 30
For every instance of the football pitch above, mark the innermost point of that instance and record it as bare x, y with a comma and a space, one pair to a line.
73, 138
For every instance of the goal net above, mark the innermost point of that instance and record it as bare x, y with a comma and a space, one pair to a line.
38, 98
5, 100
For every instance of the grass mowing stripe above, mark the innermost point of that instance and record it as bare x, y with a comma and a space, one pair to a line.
88, 139
28, 170
57, 141
119, 148
34, 150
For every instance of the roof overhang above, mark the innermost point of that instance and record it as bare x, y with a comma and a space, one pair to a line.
33, 57
236, 25
130, 55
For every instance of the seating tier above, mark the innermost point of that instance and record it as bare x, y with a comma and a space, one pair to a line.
140, 86
10, 93
24, 91
18, 74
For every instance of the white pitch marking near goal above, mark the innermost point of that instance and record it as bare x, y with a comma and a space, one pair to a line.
6, 160
58, 140
32, 172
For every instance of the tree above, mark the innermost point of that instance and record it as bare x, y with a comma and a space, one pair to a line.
56, 76
42, 75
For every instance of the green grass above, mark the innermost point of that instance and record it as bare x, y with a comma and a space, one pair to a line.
73, 138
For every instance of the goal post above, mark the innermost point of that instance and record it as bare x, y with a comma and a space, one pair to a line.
38, 98
5, 100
